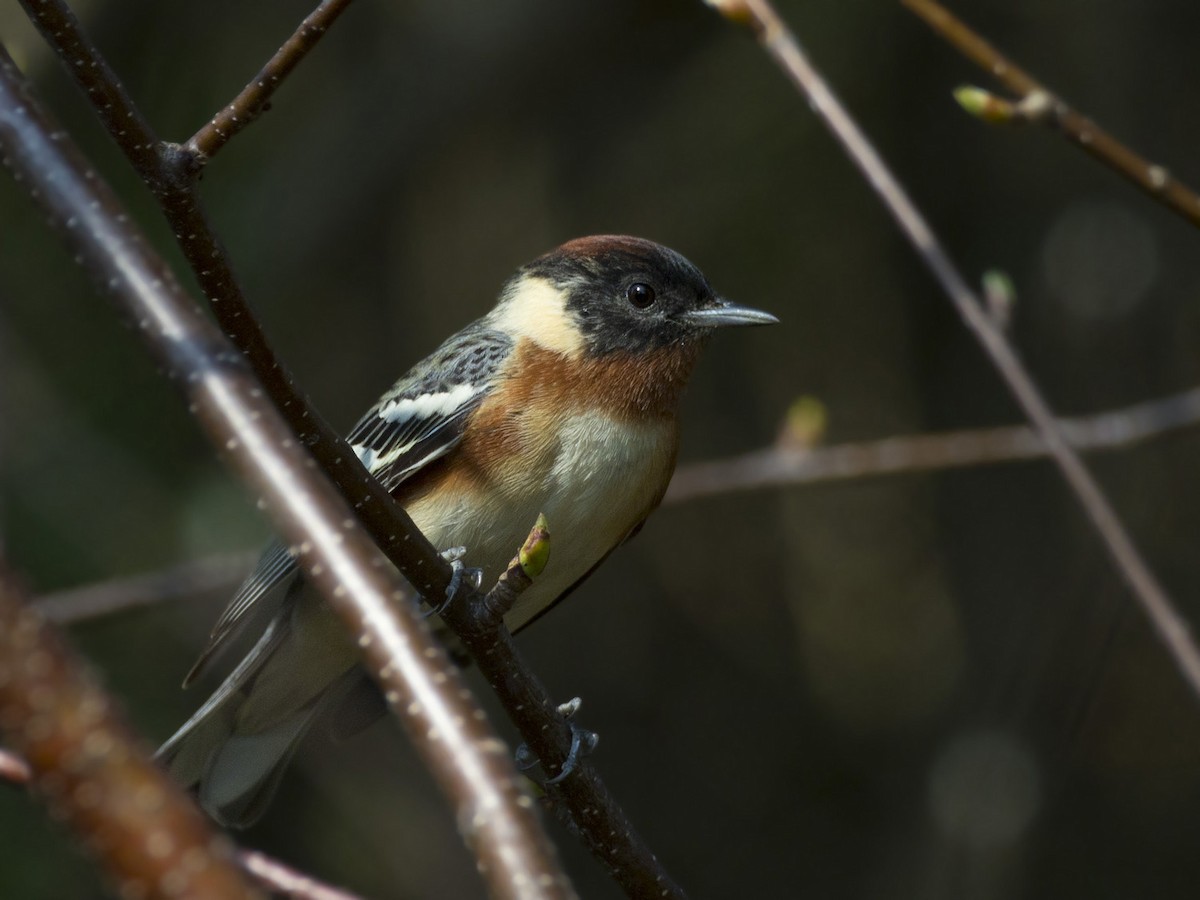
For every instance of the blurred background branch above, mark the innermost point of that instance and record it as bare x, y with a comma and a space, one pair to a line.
213, 575
784, 465
285, 881
270, 873
13, 769
86, 766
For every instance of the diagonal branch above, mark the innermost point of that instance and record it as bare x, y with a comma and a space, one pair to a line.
1036, 103
598, 820
254, 97
423, 687
86, 766
270, 873
783, 48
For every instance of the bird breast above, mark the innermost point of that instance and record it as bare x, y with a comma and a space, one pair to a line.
595, 476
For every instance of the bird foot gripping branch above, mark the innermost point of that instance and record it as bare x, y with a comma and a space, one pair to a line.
583, 744
464, 580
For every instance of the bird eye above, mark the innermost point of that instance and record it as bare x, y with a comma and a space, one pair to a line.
640, 295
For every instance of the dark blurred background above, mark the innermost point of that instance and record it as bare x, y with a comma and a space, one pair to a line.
920, 687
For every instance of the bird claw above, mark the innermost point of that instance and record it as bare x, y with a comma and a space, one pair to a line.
460, 575
583, 743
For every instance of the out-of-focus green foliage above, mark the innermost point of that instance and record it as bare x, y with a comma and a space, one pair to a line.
925, 687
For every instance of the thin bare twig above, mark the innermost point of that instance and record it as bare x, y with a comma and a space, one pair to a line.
782, 466
1036, 103
254, 97
782, 46
88, 768
285, 881
423, 687
185, 581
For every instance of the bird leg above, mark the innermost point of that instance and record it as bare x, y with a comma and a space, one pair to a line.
462, 577
583, 743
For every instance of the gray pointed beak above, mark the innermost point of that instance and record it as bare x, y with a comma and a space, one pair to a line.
722, 313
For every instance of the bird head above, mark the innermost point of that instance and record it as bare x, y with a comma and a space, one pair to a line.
610, 294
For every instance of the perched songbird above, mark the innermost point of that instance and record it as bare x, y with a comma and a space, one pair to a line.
561, 400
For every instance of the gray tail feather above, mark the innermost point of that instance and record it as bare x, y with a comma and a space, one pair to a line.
235, 774
234, 758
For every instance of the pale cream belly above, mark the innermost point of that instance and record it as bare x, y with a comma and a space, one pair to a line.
595, 483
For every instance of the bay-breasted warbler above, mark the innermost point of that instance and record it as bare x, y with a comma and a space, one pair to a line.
562, 400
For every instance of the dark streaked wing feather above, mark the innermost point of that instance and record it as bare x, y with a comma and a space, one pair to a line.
405, 447
275, 568
417, 421
421, 417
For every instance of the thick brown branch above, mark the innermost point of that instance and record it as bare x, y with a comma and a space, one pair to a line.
420, 683
254, 97
83, 761
272, 874
782, 466
1045, 107
783, 48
